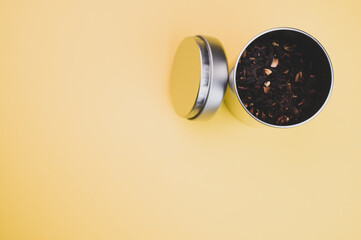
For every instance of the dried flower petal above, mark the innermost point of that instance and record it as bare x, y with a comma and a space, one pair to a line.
289, 47
275, 44
274, 62
266, 89
244, 54
283, 119
243, 88
289, 88
298, 76
267, 71
295, 110
251, 110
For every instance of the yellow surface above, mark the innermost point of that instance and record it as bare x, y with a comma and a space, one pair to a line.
91, 148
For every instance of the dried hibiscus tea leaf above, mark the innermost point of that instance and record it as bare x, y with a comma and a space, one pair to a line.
298, 76
267, 71
244, 54
283, 119
266, 89
274, 62
289, 47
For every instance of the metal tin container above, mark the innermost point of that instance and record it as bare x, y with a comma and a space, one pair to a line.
200, 75
319, 55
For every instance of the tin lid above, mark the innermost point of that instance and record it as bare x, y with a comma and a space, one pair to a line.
199, 77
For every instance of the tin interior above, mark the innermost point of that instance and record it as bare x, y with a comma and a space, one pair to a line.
313, 50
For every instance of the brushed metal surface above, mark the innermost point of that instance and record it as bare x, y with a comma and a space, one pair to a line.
189, 77
199, 77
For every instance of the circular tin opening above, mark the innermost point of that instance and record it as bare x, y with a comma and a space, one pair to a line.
295, 82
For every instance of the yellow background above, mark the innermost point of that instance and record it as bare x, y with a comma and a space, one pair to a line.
91, 148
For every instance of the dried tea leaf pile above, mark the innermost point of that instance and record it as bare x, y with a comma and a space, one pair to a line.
276, 82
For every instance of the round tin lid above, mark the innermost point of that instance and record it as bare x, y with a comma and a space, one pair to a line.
199, 77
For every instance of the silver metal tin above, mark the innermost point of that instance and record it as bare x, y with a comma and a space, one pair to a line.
199, 77
233, 100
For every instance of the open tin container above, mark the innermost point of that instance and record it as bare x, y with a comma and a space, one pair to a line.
200, 80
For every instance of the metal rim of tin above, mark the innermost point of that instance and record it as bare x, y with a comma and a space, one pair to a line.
205, 77
212, 80
233, 78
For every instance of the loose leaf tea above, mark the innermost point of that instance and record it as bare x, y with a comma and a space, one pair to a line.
277, 82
